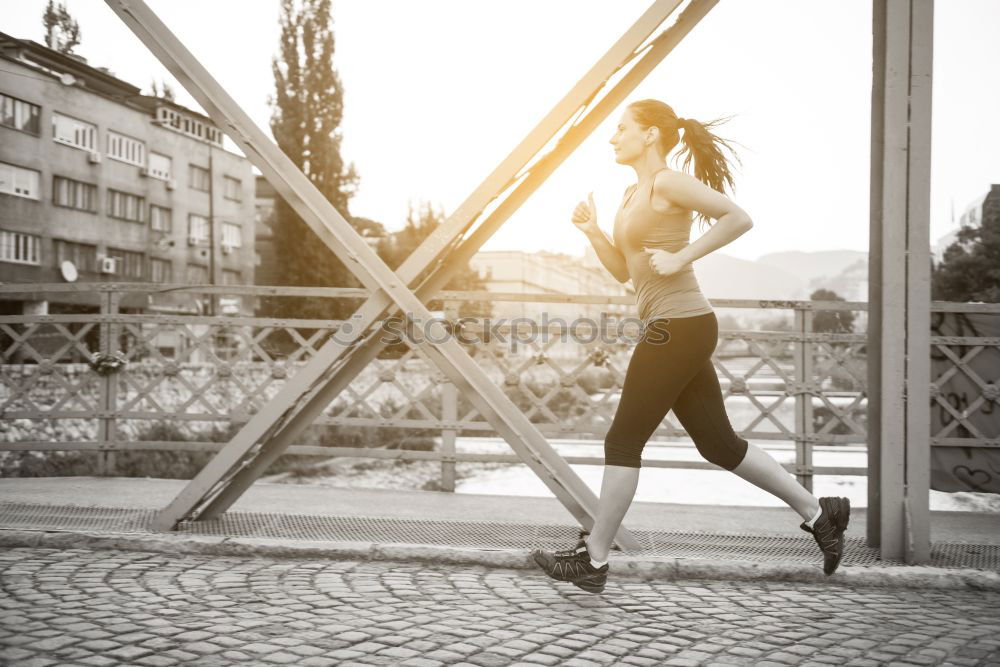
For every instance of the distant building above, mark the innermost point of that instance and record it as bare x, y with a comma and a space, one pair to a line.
547, 273
985, 207
265, 260
99, 182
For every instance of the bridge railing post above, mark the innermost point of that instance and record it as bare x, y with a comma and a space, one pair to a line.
449, 415
107, 424
803, 356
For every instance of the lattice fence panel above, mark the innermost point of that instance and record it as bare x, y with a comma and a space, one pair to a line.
48, 391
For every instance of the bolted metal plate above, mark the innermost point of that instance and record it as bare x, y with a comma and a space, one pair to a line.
473, 534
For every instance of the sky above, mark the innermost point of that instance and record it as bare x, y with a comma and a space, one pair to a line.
438, 92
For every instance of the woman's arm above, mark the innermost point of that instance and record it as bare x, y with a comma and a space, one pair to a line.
688, 192
585, 219
610, 256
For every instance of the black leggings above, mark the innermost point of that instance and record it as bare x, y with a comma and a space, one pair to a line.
671, 368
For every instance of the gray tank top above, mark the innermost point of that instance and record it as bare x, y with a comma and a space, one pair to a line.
638, 225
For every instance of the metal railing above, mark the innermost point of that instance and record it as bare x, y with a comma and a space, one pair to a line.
111, 378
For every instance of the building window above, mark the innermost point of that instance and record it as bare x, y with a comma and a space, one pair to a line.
73, 132
230, 277
74, 194
175, 120
160, 218
20, 115
197, 227
161, 270
232, 188
124, 206
129, 264
198, 178
196, 274
232, 235
160, 166
126, 149
19, 248
19, 181
83, 255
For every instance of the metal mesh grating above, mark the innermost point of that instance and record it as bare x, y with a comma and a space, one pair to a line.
472, 534
29, 516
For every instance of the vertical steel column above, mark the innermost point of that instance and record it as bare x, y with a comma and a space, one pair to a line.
873, 348
918, 277
901, 317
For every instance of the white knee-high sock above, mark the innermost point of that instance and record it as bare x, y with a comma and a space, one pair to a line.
594, 563
811, 521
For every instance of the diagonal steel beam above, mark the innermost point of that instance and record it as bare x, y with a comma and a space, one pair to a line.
334, 230
229, 116
361, 356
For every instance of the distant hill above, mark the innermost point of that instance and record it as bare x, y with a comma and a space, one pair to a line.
725, 277
810, 266
777, 275
851, 283
785, 275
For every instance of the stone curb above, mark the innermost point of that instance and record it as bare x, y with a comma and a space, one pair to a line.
635, 568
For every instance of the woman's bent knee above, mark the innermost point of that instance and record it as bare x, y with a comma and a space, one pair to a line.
628, 456
727, 456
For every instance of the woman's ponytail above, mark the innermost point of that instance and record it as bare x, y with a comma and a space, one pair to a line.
704, 149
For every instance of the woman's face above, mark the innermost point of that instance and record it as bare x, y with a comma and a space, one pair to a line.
630, 139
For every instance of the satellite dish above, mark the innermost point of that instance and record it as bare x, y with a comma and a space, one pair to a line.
67, 79
68, 271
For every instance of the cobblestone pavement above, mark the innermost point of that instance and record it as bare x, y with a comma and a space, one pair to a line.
83, 607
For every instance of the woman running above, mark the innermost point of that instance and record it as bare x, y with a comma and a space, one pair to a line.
671, 367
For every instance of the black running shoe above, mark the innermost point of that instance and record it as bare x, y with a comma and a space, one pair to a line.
573, 565
828, 530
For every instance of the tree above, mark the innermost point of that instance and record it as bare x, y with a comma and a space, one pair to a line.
831, 321
395, 248
970, 267
62, 32
163, 90
307, 109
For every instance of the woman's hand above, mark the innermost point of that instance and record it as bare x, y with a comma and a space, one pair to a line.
585, 216
664, 263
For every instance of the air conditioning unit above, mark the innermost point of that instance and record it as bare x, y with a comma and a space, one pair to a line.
144, 171
109, 265
171, 184
94, 158
193, 240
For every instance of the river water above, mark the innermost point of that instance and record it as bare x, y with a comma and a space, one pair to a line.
697, 487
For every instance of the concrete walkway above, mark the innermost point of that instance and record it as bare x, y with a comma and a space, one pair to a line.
680, 541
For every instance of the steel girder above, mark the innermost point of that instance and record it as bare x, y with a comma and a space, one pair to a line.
272, 428
364, 354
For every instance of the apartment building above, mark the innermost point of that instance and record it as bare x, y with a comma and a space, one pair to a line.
99, 182
548, 273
